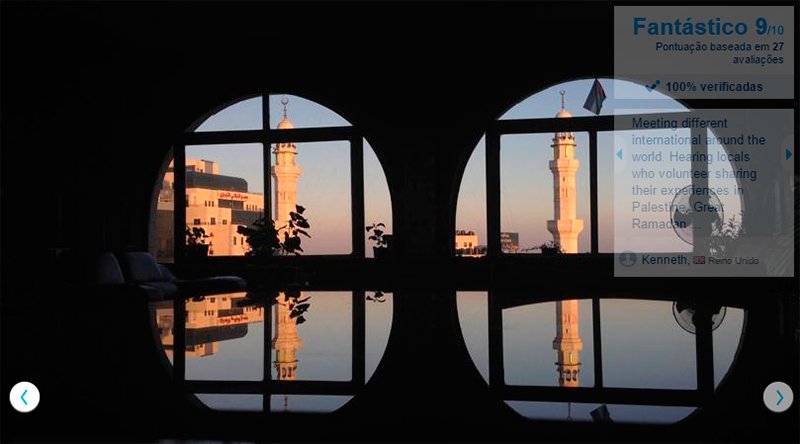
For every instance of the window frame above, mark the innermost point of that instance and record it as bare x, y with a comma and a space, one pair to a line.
588, 124
267, 137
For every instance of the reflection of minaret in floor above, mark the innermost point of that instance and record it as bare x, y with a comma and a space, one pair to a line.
565, 228
285, 342
568, 343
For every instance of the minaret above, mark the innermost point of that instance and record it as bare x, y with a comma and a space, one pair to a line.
565, 228
285, 172
565, 225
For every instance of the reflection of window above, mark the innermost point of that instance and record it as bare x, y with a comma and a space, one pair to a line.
639, 353
326, 355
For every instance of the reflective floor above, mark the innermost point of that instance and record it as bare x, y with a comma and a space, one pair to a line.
645, 345
309, 336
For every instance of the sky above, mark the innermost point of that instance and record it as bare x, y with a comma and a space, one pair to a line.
526, 196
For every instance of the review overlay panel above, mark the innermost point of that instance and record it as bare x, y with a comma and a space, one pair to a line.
704, 192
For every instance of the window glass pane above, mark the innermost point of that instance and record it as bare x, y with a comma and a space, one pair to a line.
378, 324
377, 201
727, 337
549, 344
301, 113
224, 182
318, 178
581, 412
307, 403
530, 198
644, 346
224, 341
320, 347
228, 402
243, 115
162, 243
471, 207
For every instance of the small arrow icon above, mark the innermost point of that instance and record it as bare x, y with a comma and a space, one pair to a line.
619, 154
26, 392
788, 154
780, 396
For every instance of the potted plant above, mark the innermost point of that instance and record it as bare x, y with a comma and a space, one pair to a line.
264, 238
196, 246
383, 241
550, 248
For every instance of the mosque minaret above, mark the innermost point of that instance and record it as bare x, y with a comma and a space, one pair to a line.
565, 228
565, 225
285, 172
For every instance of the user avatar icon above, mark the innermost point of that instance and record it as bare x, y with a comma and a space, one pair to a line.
627, 258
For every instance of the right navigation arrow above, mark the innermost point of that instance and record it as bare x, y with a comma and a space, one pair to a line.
788, 154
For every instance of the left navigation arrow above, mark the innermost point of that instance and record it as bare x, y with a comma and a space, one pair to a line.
24, 397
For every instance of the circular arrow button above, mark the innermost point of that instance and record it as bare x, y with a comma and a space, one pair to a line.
778, 397
24, 397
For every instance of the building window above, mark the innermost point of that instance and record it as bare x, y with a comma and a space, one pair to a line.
224, 221
213, 221
196, 221
234, 240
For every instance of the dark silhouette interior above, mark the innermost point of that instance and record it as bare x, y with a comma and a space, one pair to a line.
94, 95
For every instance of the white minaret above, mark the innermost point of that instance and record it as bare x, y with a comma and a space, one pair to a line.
565, 228
285, 172
565, 225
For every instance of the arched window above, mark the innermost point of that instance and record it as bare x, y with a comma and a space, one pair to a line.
248, 160
545, 172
